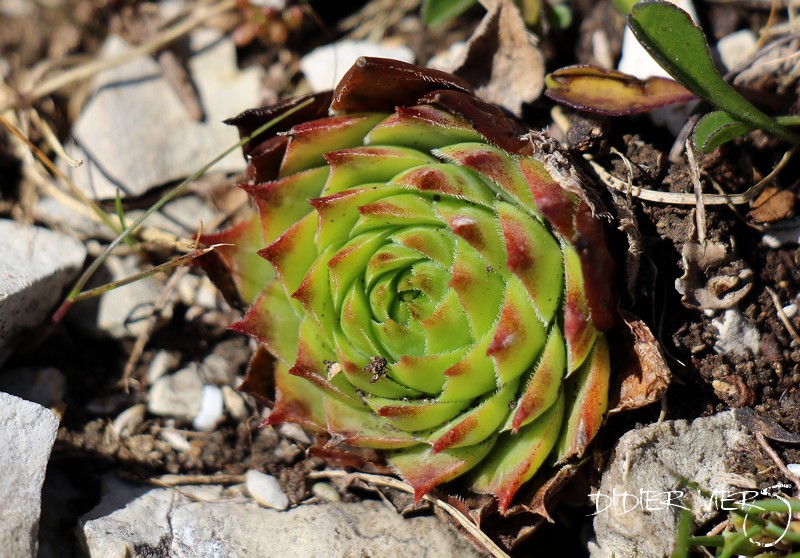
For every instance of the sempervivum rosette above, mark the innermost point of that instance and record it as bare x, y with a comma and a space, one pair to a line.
434, 291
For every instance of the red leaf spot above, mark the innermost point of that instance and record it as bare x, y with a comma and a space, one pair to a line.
508, 333
455, 434
519, 256
468, 229
554, 202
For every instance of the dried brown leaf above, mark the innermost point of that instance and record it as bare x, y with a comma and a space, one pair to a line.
643, 375
501, 61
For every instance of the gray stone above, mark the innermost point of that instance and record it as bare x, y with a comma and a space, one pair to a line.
124, 311
135, 133
177, 395
27, 433
130, 522
655, 459
44, 386
737, 47
266, 490
35, 266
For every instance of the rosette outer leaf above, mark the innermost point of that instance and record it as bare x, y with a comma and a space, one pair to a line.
435, 292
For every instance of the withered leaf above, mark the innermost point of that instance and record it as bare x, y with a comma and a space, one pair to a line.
611, 92
644, 375
500, 60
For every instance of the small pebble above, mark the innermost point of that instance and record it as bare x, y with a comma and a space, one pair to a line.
129, 420
216, 369
234, 403
294, 432
794, 468
211, 409
790, 310
175, 439
325, 491
177, 395
266, 490
163, 362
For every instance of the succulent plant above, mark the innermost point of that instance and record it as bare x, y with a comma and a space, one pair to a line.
437, 284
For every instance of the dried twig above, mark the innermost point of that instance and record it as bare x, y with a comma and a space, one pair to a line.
782, 315
675, 198
464, 521
762, 441
168, 481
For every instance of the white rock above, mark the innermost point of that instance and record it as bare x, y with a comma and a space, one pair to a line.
211, 409
737, 47
44, 386
234, 403
326, 65
129, 420
295, 432
175, 439
60, 216
163, 361
325, 491
160, 522
794, 468
122, 312
35, 266
636, 60
266, 490
182, 216
178, 395
648, 465
27, 433
447, 59
135, 133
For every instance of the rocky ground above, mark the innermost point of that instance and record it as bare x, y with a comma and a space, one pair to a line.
121, 430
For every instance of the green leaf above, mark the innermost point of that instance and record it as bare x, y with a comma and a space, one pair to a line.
680, 47
716, 128
439, 12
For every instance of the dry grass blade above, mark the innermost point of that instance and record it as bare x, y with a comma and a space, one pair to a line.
782, 315
676, 198
379, 480
85, 71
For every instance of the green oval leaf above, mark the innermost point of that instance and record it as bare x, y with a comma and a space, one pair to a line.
716, 128
680, 47
439, 12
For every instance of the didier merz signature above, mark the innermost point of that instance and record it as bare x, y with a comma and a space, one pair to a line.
744, 503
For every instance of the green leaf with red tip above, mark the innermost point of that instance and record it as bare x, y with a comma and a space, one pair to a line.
610, 92
434, 242
543, 385
249, 272
360, 427
476, 225
587, 394
310, 141
283, 202
338, 213
272, 320
496, 166
400, 210
423, 469
356, 320
425, 373
292, 253
447, 328
423, 127
389, 258
399, 339
476, 424
447, 180
473, 375
297, 401
518, 336
376, 163
413, 415
516, 457
315, 296
555, 204
534, 257
479, 287
579, 331
349, 261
